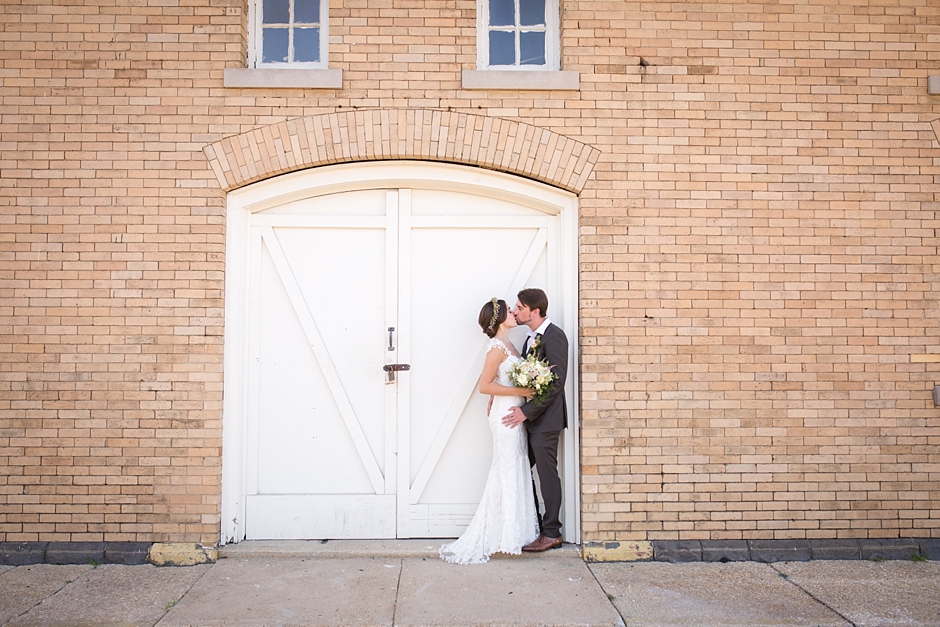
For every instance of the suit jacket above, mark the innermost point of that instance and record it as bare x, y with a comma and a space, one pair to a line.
552, 413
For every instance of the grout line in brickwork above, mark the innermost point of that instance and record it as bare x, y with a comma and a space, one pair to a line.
813, 596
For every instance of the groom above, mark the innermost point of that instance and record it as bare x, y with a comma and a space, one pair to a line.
546, 420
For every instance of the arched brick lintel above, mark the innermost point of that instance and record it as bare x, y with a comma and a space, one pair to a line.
420, 134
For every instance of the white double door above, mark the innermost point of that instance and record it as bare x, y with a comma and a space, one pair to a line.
343, 287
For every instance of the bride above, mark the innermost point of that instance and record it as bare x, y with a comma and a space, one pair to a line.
506, 518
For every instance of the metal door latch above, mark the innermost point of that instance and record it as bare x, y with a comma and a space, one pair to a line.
391, 369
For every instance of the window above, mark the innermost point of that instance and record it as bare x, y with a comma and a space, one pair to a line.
289, 33
520, 34
286, 47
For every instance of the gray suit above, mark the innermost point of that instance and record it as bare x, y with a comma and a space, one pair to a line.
545, 422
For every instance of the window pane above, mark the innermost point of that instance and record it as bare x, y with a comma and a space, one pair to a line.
502, 48
276, 12
306, 44
306, 11
502, 12
532, 48
531, 12
274, 45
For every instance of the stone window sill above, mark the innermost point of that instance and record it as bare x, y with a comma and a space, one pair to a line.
520, 80
251, 78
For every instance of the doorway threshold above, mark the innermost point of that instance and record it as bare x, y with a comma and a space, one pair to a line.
344, 549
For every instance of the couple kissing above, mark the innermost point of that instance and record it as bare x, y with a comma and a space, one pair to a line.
526, 415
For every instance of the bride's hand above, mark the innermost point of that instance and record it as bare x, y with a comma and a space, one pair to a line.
527, 393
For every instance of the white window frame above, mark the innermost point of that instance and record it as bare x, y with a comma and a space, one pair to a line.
552, 40
255, 48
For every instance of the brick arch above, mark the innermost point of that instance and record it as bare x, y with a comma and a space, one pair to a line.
421, 134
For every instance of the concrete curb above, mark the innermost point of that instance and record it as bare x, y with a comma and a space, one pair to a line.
28, 553
770, 551
181, 554
673, 551
634, 551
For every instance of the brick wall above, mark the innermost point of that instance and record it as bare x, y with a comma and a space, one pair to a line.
758, 255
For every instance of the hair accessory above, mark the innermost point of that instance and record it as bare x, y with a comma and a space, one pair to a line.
495, 317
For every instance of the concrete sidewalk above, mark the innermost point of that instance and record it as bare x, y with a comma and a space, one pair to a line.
403, 583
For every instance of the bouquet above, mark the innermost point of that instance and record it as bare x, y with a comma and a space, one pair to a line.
534, 374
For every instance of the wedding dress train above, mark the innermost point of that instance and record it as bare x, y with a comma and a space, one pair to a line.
506, 518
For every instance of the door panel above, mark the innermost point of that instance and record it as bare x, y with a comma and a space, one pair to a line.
341, 275
441, 202
463, 250
317, 418
308, 516
359, 204
302, 441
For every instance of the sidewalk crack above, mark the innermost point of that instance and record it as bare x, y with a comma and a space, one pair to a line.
401, 568
813, 596
64, 585
610, 597
173, 604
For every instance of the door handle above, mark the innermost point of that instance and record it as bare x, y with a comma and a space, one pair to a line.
391, 345
391, 369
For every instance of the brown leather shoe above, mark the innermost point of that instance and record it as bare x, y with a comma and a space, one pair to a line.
542, 543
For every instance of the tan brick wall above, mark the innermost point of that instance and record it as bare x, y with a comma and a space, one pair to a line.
758, 255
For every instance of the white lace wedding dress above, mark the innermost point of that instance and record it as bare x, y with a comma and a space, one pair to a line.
506, 518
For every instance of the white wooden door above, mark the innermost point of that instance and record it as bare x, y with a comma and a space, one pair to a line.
321, 419
340, 285
458, 251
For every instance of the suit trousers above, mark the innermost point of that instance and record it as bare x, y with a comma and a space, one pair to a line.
543, 455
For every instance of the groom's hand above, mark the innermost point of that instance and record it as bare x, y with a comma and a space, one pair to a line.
514, 418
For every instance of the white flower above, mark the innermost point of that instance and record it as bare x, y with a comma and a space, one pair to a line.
534, 374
